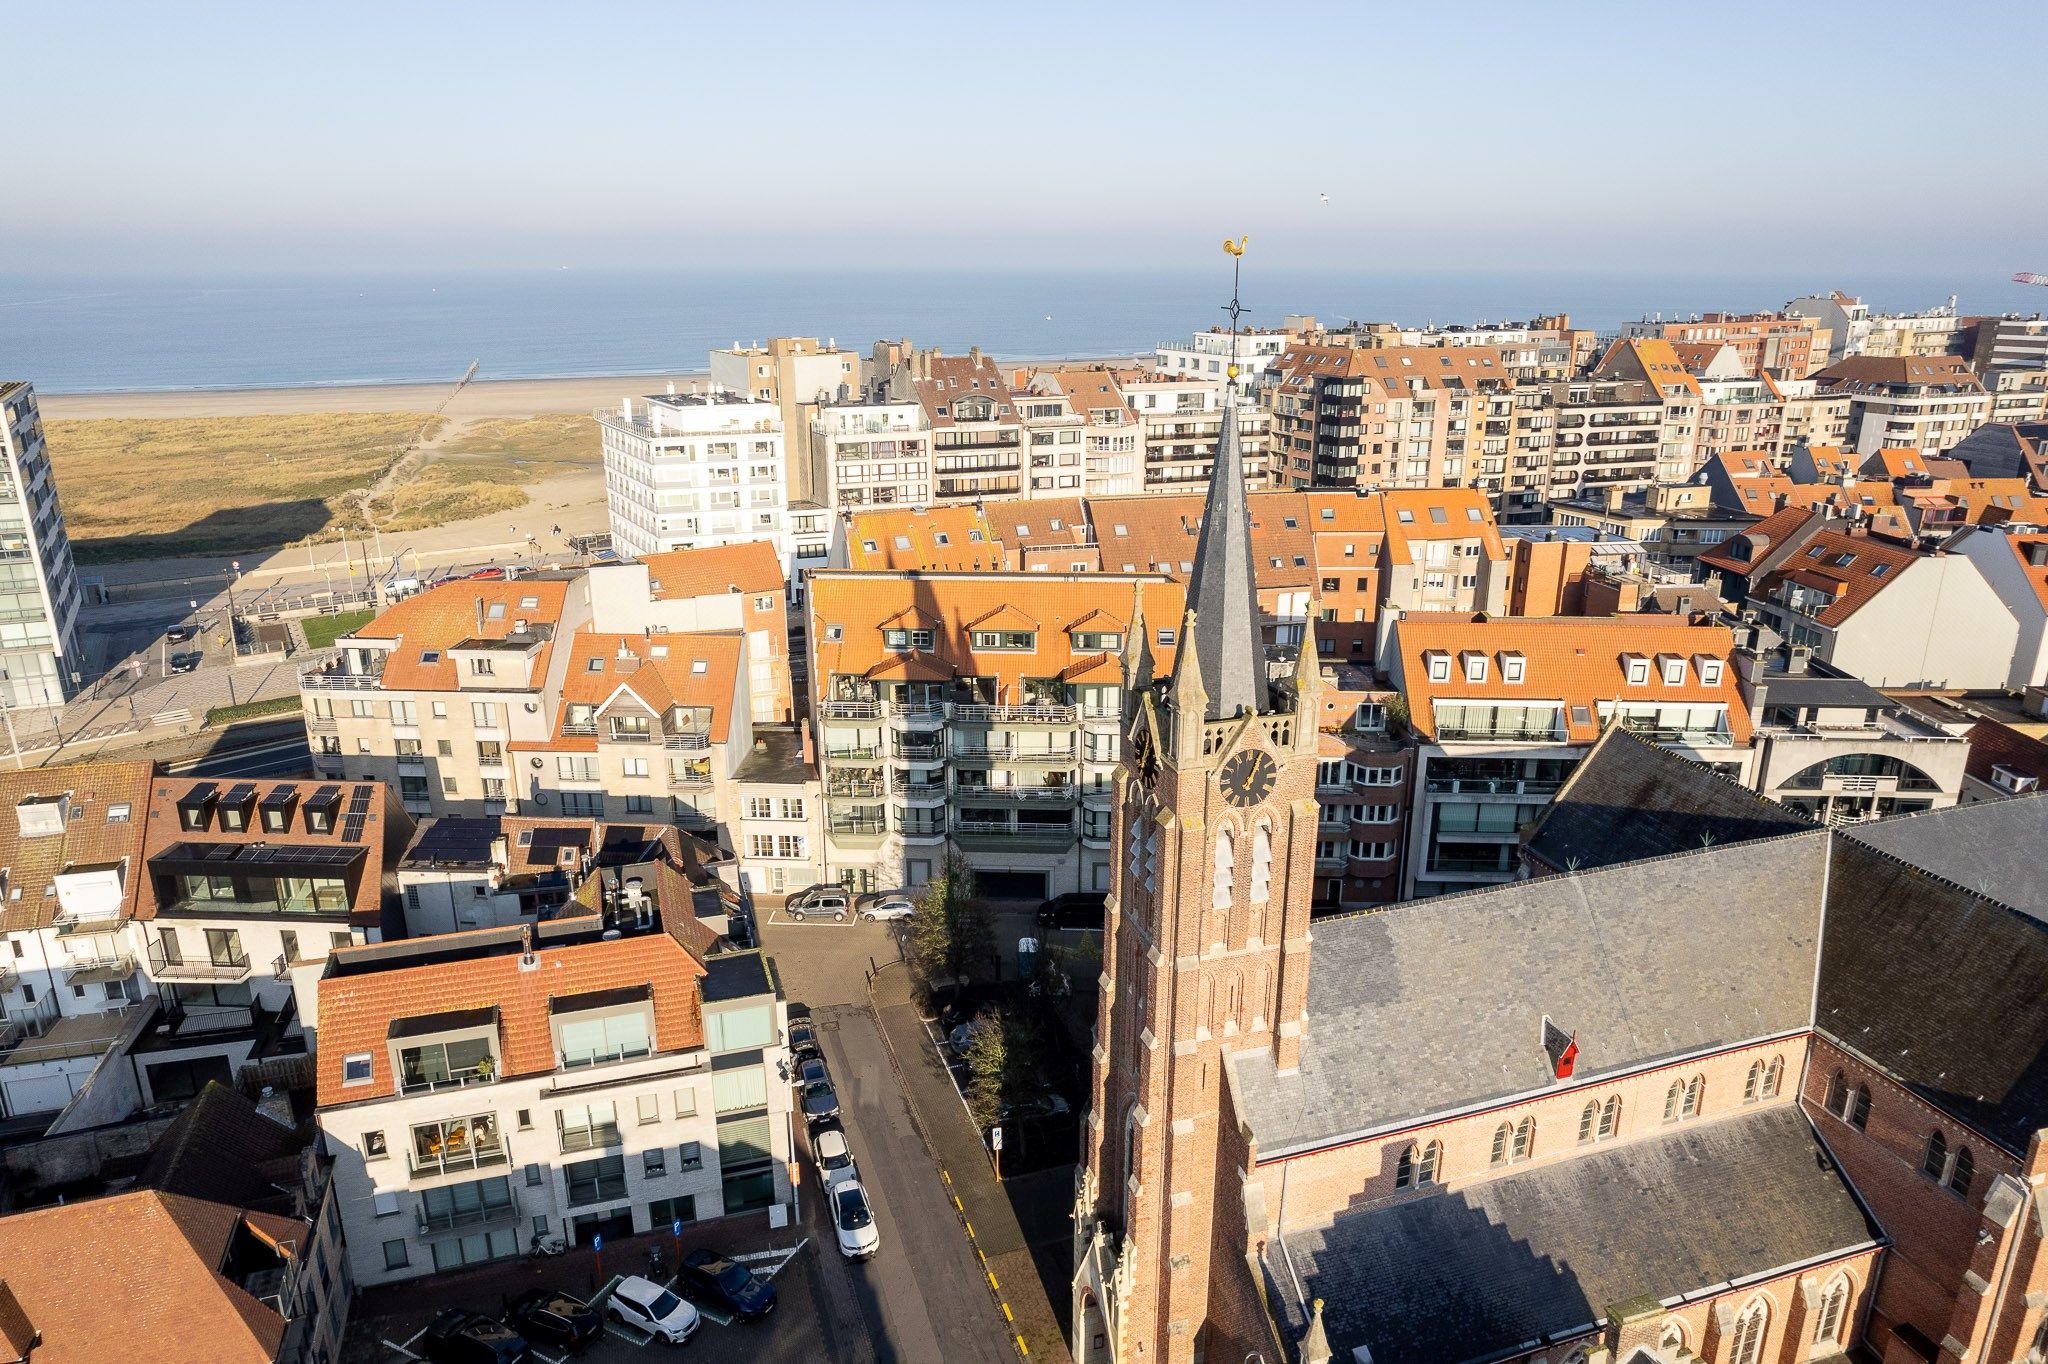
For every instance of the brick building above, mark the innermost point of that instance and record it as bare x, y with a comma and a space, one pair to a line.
1771, 1099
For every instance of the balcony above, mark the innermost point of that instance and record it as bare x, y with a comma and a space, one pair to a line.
481, 1074
857, 753
1498, 734
851, 710
628, 736
689, 781
1015, 715
996, 835
467, 1219
594, 1137
320, 724
579, 728
1695, 738
857, 831
230, 968
853, 790
1061, 756
918, 790
452, 1158
1488, 786
339, 676
919, 752
984, 752
1028, 795
105, 970
686, 739
918, 712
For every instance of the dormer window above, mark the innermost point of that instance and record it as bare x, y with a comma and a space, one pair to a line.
603, 1025
1709, 670
195, 808
1637, 669
902, 640
1439, 665
1512, 666
276, 811
1475, 666
321, 808
1673, 668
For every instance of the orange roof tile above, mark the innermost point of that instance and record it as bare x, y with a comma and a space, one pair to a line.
1576, 660
1851, 568
932, 538
848, 608
357, 1009
167, 1301
425, 627
96, 831
749, 566
664, 671
1421, 514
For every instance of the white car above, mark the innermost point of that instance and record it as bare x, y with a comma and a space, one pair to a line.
835, 1162
889, 907
854, 1219
654, 1309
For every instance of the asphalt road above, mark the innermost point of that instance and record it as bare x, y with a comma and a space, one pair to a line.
923, 1294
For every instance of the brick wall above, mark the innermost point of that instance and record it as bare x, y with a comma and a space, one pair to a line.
1324, 1183
1933, 1230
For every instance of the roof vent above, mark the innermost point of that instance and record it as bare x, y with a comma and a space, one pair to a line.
528, 960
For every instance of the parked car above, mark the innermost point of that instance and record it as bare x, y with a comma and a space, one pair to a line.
831, 903
854, 1220
546, 1314
803, 1040
178, 634
812, 1071
895, 905
730, 1284
187, 662
963, 1033
820, 1100
458, 1337
1075, 909
1042, 1105
835, 1161
654, 1309
487, 575
812, 892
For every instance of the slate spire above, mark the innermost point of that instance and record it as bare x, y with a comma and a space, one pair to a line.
1223, 594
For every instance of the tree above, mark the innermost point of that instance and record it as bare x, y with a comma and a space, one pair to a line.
951, 929
988, 1065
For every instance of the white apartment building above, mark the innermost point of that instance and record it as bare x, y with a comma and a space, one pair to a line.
798, 376
1054, 436
685, 470
1905, 403
1181, 419
39, 595
583, 1076
1207, 355
873, 454
1112, 456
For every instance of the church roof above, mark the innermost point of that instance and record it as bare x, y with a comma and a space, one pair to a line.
1436, 1006
1544, 1253
1630, 799
1229, 643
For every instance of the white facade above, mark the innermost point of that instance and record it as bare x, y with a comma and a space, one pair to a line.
1940, 623
39, 595
873, 454
683, 471
1208, 354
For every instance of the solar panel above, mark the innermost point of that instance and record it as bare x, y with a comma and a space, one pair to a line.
280, 795
239, 792
359, 803
352, 828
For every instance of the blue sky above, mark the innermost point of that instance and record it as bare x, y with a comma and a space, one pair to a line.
1829, 137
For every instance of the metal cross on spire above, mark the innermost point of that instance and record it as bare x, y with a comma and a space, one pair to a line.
1235, 308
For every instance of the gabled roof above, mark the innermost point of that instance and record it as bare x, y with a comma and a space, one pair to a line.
358, 1007
1435, 1006
1483, 1269
165, 1300
699, 669
1766, 541
1936, 959
1628, 800
1865, 373
1413, 515
1004, 617
1851, 569
96, 832
749, 566
1997, 745
930, 538
424, 628
217, 1150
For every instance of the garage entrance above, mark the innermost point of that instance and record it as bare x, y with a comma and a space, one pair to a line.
1010, 885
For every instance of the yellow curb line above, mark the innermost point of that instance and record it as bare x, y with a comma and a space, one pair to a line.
1023, 1350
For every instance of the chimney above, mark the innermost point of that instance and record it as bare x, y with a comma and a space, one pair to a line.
760, 745
974, 356
626, 408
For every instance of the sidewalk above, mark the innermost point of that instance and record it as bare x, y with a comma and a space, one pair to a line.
954, 1142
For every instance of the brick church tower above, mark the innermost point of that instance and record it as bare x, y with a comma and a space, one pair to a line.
1207, 947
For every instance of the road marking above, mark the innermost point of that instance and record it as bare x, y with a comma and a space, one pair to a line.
777, 916
627, 1333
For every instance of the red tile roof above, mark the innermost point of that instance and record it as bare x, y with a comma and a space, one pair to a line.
91, 834
357, 1009
136, 1276
1995, 745
436, 620
663, 670
750, 566
1870, 567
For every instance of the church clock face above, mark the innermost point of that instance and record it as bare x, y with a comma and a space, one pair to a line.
1248, 777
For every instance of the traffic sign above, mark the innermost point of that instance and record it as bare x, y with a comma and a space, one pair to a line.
597, 1243
995, 1138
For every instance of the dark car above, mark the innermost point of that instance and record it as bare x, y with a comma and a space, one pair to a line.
186, 662
713, 1277
1076, 909
458, 1337
820, 1100
812, 1070
178, 634
555, 1317
803, 1041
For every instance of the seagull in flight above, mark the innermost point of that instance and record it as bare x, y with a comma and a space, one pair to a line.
1324, 197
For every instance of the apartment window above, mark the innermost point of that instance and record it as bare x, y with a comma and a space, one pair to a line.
650, 1108
444, 748
690, 1156
686, 1103
1674, 672
639, 805
653, 1163
481, 667
374, 1146
1439, 667
1475, 667
483, 714
906, 639
596, 1181
587, 1038
584, 1127
666, 1212
1511, 667
355, 1069
736, 1091
634, 767
1023, 641
395, 1254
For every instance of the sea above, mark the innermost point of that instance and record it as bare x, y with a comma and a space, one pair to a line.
119, 333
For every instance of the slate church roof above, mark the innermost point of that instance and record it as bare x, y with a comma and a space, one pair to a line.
1470, 1273
1629, 799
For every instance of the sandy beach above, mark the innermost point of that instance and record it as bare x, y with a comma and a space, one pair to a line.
481, 400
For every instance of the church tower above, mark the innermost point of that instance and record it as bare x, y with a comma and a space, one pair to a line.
1207, 945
